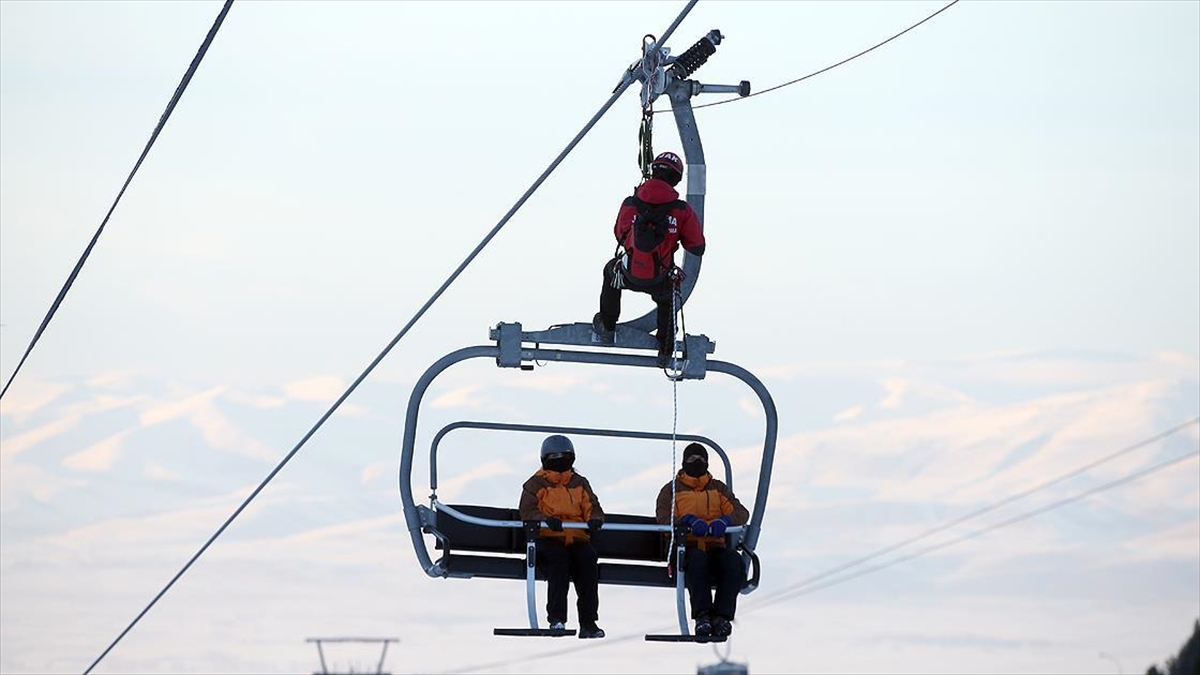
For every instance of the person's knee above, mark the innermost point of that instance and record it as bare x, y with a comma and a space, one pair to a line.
587, 554
552, 554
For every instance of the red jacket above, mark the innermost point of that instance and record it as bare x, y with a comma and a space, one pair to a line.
685, 227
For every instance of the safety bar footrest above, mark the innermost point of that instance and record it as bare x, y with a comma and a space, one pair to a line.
533, 632
686, 638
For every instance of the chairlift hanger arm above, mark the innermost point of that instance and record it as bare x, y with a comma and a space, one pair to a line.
668, 76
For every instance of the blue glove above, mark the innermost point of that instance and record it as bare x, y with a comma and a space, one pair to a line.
697, 526
717, 527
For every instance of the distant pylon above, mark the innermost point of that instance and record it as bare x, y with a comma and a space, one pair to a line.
321, 652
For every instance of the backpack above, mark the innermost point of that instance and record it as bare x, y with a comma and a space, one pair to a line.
650, 228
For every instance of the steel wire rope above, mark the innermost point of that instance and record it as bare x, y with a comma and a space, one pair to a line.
162, 121
778, 597
827, 68
625, 84
987, 509
980, 532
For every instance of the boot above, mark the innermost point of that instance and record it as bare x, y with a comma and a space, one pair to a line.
601, 334
722, 626
590, 630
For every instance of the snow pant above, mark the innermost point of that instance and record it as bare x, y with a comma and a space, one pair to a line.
661, 293
563, 564
703, 569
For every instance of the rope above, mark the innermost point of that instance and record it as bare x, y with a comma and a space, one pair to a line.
674, 427
799, 586
787, 595
827, 68
646, 130
404, 331
162, 122
625, 84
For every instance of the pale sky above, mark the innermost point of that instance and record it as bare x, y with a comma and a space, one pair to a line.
963, 264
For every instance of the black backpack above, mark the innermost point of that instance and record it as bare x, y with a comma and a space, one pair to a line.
651, 224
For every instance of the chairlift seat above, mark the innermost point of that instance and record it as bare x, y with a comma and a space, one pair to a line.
459, 536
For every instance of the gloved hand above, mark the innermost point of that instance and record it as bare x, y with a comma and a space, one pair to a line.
554, 523
717, 527
594, 525
697, 526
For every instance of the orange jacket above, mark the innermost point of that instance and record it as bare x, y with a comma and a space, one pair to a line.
706, 498
565, 495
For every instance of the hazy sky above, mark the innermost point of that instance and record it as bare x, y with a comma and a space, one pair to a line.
963, 264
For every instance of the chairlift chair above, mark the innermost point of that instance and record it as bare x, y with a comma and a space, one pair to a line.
485, 541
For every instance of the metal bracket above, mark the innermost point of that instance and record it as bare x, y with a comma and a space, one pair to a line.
510, 340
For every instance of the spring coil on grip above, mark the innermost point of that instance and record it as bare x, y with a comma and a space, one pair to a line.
696, 55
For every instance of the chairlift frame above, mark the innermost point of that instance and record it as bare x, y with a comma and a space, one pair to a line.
512, 350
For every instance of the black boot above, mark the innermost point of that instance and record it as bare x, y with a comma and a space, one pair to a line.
722, 626
600, 333
590, 630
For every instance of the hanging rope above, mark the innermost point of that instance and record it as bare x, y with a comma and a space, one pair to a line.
675, 370
645, 143
162, 122
650, 63
676, 308
674, 472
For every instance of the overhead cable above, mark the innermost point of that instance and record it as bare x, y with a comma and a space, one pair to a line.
827, 68
437, 294
775, 598
989, 508
162, 122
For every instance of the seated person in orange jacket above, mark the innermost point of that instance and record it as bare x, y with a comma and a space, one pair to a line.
706, 507
556, 494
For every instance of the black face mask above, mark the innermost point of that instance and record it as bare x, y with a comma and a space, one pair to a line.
558, 464
695, 469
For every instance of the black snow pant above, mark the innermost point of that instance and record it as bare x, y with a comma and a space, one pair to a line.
660, 293
563, 564
702, 569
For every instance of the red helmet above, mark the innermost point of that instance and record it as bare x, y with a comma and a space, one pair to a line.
670, 160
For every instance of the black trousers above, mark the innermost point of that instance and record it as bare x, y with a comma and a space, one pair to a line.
565, 563
661, 293
703, 569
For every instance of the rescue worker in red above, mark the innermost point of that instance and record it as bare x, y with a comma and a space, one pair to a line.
706, 507
649, 271
557, 495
